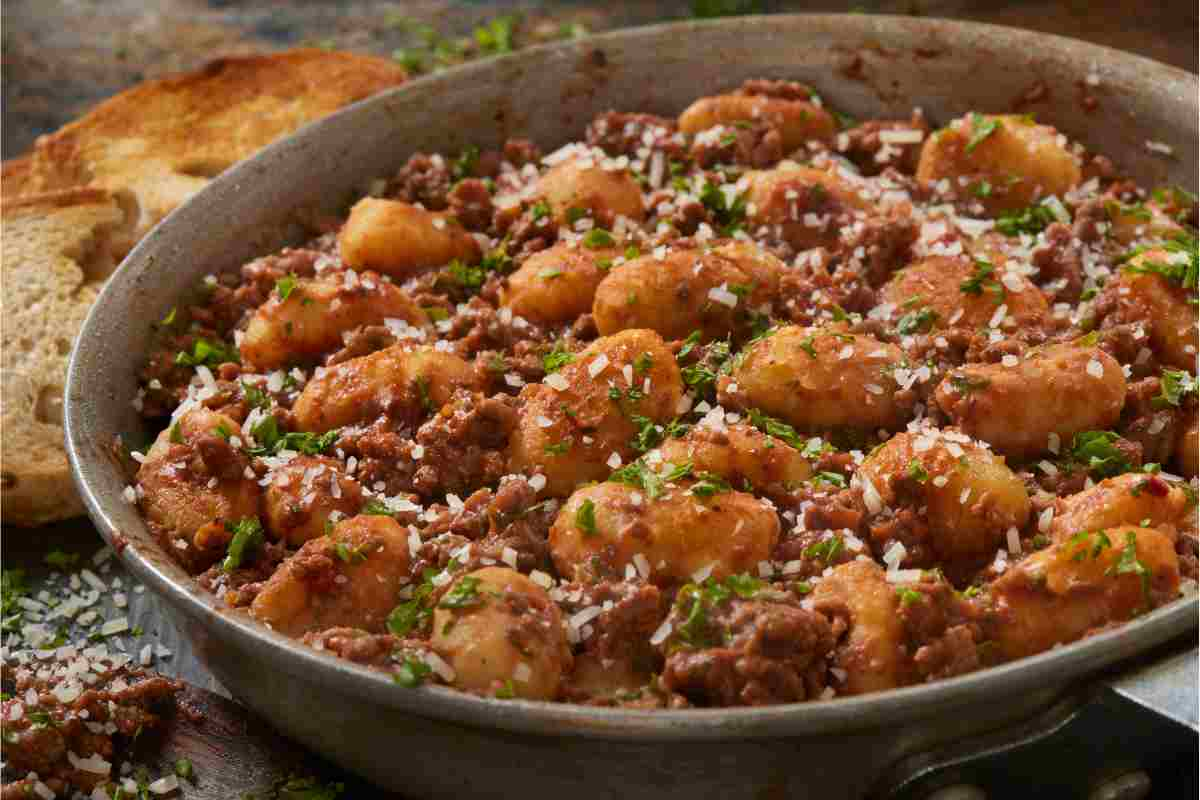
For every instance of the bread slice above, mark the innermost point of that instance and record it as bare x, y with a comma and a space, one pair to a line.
16, 177
57, 250
165, 139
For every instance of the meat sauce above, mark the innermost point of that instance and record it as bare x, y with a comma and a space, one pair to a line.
756, 405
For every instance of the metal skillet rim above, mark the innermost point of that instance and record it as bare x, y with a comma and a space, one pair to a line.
905, 705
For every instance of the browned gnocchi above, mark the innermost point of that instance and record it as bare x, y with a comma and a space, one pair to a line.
400, 239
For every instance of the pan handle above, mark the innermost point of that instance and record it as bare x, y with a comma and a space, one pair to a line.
1109, 742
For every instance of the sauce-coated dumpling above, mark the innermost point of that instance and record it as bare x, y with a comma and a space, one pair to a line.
605, 529
797, 119
969, 496
581, 185
742, 455
718, 291
400, 239
557, 284
572, 424
1017, 159
312, 318
819, 379
1062, 389
1091, 578
349, 577
499, 631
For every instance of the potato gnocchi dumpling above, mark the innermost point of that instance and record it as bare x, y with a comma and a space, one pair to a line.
304, 494
1062, 389
403, 383
400, 239
819, 379
581, 186
685, 290
193, 482
970, 497
797, 120
579, 424
806, 204
1165, 309
347, 578
871, 653
742, 455
1002, 161
1187, 451
501, 633
556, 285
607, 529
1131, 499
963, 293
312, 318
1090, 579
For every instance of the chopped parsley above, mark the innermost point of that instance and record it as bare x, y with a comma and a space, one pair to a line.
689, 344
1174, 385
557, 358
206, 353
808, 345
284, 287
1097, 451
730, 215
710, 483
916, 321
981, 128
255, 397
412, 672
832, 478
1182, 266
917, 471
982, 280
558, 448
825, 550
699, 377
1086, 544
1030, 220
965, 384
696, 629
352, 554
585, 517
597, 238
649, 435
271, 441
1130, 563
641, 476
777, 428
464, 165
506, 690
415, 612
466, 276
375, 508
909, 596
464, 594
643, 363
247, 537
185, 770
540, 209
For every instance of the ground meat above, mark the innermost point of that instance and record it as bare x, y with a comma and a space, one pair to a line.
352, 644
1129, 344
805, 293
769, 652
625, 134
886, 244
862, 145
1060, 265
520, 152
239, 587
508, 518
1188, 549
480, 326
941, 629
464, 444
423, 179
264, 272
362, 342
1154, 428
132, 700
757, 145
471, 204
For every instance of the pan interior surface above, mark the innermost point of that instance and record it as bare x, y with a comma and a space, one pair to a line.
864, 65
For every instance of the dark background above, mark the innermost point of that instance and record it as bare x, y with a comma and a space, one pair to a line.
60, 57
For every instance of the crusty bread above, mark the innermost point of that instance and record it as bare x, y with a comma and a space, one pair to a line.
74, 206
58, 249
163, 140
